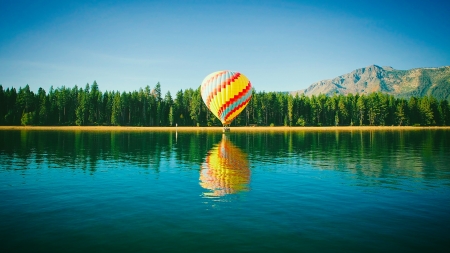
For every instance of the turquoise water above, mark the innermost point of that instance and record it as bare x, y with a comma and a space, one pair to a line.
360, 191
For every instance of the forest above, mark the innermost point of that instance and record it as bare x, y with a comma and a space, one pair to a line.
89, 106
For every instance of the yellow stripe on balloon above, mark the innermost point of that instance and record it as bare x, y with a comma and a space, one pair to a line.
236, 113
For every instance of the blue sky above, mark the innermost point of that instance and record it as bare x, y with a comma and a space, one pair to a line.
279, 45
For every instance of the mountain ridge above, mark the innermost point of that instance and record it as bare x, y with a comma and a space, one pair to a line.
416, 82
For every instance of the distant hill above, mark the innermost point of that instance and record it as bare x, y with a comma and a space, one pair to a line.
400, 83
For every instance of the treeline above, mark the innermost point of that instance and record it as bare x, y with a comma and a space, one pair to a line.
147, 107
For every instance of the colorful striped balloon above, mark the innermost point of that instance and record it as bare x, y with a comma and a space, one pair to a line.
226, 94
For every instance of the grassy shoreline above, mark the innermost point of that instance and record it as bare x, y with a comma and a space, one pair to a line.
219, 129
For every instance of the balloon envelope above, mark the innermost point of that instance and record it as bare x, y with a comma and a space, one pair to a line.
226, 170
226, 94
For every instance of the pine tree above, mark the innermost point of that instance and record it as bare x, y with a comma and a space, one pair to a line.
116, 109
361, 108
400, 113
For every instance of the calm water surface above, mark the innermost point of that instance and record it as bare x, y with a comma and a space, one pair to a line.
360, 191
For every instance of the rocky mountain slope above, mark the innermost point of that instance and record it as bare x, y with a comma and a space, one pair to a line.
400, 83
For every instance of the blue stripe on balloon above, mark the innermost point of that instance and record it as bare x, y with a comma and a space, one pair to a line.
234, 105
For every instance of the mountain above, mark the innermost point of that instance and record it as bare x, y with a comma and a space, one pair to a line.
400, 83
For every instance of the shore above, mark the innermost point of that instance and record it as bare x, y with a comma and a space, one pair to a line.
219, 129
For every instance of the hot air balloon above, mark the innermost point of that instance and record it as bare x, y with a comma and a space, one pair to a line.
226, 170
226, 94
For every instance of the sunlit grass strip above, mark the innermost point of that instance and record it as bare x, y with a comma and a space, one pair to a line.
220, 129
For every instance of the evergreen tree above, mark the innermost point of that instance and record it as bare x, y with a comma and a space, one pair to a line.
93, 104
444, 113
195, 106
426, 113
25, 99
290, 108
43, 107
167, 105
373, 108
342, 110
361, 109
81, 109
116, 109
413, 111
178, 109
400, 112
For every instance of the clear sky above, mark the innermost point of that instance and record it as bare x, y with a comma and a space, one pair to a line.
279, 45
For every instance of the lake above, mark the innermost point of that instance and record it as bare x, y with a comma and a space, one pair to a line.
299, 191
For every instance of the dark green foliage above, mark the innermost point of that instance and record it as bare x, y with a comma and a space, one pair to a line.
146, 107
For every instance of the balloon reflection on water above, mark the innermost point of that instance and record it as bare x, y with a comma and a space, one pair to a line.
226, 170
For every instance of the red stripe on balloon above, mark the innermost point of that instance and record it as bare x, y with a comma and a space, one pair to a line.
208, 82
221, 86
237, 108
235, 98
211, 81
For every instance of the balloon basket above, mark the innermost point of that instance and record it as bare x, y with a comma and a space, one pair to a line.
226, 129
